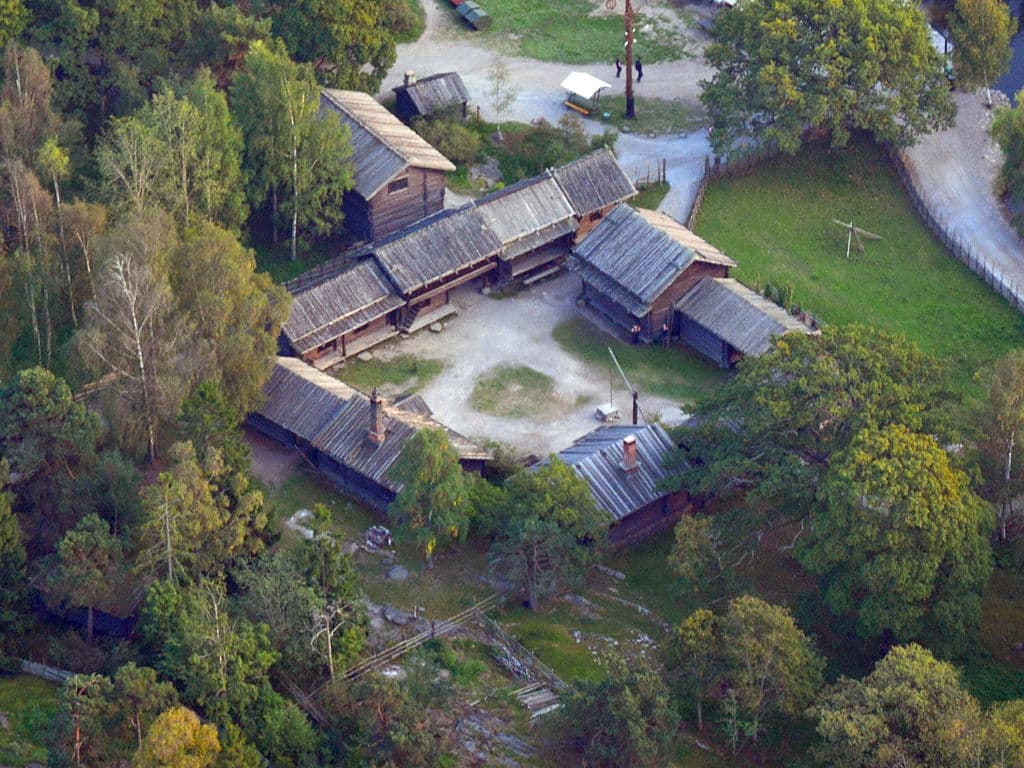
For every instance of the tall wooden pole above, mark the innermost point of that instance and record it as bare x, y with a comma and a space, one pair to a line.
629, 16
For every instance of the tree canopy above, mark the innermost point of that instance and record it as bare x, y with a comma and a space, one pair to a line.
902, 541
550, 531
982, 30
783, 66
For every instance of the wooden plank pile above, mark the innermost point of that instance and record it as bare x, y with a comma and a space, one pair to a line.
538, 699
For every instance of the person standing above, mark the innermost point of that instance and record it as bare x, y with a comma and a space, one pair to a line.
639, 69
618, 68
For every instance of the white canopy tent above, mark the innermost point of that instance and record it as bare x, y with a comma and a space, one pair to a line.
583, 91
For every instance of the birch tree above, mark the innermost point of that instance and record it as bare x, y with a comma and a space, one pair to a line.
132, 162
1001, 428
982, 30
502, 90
133, 334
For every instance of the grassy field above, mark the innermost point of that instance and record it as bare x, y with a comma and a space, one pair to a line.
653, 115
29, 705
514, 391
401, 374
777, 224
672, 372
651, 196
416, 22
564, 31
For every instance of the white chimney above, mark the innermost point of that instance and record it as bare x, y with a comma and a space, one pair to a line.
410, 77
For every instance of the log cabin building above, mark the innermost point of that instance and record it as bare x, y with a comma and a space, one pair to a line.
342, 316
636, 264
399, 177
403, 282
594, 185
352, 439
535, 223
725, 320
430, 95
625, 467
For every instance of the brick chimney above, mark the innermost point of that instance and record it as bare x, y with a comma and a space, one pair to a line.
630, 455
377, 431
410, 77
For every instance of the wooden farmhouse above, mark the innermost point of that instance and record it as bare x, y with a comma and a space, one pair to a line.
352, 439
625, 466
725, 320
342, 316
535, 223
430, 95
594, 184
399, 177
636, 264
403, 282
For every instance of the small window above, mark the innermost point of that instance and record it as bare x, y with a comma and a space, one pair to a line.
398, 185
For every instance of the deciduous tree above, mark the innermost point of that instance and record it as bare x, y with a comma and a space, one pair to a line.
623, 720
13, 603
902, 540
785, 65
550, 532
435, 502
1000, 428
694, 659
910, 711
178, 739
982, 30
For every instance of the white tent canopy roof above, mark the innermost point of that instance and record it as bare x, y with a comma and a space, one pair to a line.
584, 84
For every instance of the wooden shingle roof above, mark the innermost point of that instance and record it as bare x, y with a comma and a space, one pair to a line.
346, 301
302, 399
597, 458
383, 147
633, 256
528, 214
430, 94
594, 181
436, 247
335, 419
744, 318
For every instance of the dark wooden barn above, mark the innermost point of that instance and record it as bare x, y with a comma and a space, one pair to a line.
725, 320
352, 439
594, 184
421, 97
399, 177
342, 316
535, 222
636, 264
625, 466
428, 260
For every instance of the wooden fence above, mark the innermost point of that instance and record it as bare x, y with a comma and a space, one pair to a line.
739, 163
52, 674
537, 668
951, 237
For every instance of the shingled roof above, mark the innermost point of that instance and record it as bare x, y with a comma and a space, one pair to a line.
597, 458
528, 214
383, 147
593, 182
436, 247
430, 94
744, 318
302, 399
632, 256
336, 306
335, 419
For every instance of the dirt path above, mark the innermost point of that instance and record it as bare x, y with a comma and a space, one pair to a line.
540, 95
470, 348
955, 173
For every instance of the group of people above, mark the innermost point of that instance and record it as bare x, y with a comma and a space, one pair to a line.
639, 65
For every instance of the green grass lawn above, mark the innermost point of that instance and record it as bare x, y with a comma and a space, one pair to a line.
564, 31
777, 224
650, 197
513, 391
653, 115
29, 705
402, 374
415, 22
672, 372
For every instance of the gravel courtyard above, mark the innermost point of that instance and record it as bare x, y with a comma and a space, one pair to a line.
489, 332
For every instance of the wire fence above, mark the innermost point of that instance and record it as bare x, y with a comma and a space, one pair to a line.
44, 671
952, 237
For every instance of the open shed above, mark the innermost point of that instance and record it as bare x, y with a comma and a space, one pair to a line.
583, 91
